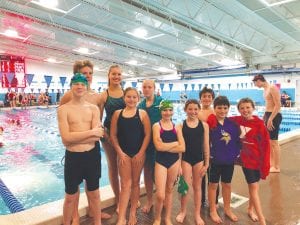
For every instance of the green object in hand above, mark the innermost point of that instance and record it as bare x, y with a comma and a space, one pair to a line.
182, 186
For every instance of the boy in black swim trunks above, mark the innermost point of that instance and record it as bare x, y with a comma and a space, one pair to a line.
80, 128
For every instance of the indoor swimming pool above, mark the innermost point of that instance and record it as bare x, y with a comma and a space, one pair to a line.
31, 160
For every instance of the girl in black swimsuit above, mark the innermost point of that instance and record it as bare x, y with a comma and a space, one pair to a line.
130, 135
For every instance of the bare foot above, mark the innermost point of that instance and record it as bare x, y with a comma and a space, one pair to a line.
122, 222
132, 219
215, 217
105, 216
252, 216
156, 222
117, 209
274, 170
231, 215
75, 221
168, 222
198, 220
147, 208
180, 217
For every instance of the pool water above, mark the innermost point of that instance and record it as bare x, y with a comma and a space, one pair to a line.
31, 160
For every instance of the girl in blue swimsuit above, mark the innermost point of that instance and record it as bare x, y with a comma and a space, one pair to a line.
169, 142
130, 135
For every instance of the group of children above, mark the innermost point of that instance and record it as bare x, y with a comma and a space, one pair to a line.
206, 141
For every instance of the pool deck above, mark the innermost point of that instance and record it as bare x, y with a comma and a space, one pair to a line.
280, 197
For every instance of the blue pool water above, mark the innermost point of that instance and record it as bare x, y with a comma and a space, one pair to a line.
31, 159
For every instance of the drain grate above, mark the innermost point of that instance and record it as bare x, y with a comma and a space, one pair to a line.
236, 200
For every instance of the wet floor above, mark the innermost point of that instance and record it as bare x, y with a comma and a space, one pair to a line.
279, 194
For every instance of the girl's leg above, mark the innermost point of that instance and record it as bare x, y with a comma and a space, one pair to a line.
125, 171
187, 174
171, 178
148, 179
226, 193
212, 190
135, 192
160, 183
197, 180
70, 203
113, 174
255, 201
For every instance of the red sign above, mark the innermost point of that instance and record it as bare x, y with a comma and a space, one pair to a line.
13, 71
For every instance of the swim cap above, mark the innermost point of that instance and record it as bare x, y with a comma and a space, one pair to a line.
79, 78
183, 187
165, 104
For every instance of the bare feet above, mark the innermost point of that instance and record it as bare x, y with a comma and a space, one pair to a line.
215, 217
156, 222
117, 209
198, 220
180, 217
274, 170
147, 208
168, 222
252, 216
231, 215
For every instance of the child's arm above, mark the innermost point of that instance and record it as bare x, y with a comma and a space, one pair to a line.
206, 149
114, 132
158, 143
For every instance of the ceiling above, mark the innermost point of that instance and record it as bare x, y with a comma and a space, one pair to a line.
175, 35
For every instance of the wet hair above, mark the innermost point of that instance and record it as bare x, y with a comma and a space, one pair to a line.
191, 101
131, 89
221, 100
259, 77
78, 65
109, 70
207, 90
1, 129
246, 100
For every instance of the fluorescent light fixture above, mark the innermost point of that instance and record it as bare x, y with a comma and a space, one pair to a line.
276, 3
51, 4
135, 63
142, 34
52, 60
85, 51
194, 52
164, 70
13, 34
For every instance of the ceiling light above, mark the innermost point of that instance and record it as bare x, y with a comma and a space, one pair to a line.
140, 33
11, 33
98, 69
194, 52
84, 50
276, 3
49, 3
52, 60
132, 62
164, 70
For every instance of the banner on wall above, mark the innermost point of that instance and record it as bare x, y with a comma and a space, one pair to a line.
29, 78
161, 86
48, 80
185, 86
12, 69
62, 81
199, 85
133, 84
171, 87
219, 86
193, 86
